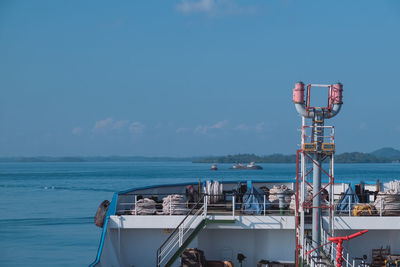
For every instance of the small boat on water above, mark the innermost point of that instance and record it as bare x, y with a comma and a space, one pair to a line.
251, 166
214, 167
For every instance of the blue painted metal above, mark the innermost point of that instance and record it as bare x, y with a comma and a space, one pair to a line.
111, 211
234, 181
195, 182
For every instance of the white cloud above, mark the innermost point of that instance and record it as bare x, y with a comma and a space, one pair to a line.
242, 127
182, 130
260, 126
109, 124
189, 6
213, 7
136, 127
103, 125
77, 131
204, 129
120, 124
219, 125
201, 129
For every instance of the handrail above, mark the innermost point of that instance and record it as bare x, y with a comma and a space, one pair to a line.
159, 250
127, 207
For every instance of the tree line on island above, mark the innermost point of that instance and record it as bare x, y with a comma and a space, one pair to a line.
383, 155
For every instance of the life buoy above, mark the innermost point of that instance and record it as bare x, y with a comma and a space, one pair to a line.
101, 213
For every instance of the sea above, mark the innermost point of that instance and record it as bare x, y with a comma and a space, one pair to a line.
47, 209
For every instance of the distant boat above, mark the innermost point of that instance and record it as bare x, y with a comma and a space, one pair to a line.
251, 166
239, 166
214, 167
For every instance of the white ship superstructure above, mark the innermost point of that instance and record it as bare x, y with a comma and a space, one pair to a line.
262, 223
223, 228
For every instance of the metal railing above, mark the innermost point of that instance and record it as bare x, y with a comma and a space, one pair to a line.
231, 204
179, 235
226, 205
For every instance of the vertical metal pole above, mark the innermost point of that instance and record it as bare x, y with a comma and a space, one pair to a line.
316, 211
233, 206
119, 238
331, 202
302, 188
265, 202
317, 138
170, 205
347, 259
180, 232
205, 205
349, 206
333, 197
135, 204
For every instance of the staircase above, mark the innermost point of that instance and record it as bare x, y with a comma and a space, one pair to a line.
193, 223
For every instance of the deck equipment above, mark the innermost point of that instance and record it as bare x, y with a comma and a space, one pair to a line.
339, 248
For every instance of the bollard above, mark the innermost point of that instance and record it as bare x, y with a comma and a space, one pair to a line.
281, 198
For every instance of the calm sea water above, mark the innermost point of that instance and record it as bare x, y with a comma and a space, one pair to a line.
47, 209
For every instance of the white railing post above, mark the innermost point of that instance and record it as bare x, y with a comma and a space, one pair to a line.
354, 263
381, 206
135, 204
233, 206
349, 206
306, 249
347, 259
205, 205
180, 236
170, 205
265, 202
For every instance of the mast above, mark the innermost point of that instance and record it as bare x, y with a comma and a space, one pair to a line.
317, 145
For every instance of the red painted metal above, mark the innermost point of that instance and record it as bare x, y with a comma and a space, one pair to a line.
308, 96
307, 204
310, 185
311, 251
319, 192
331, 100
317, 165
322, 189
339, 241
298, 93
337, 94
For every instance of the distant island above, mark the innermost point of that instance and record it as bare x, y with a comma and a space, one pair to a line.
383, 155
98, 159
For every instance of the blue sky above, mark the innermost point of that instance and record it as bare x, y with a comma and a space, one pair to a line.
180, 78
